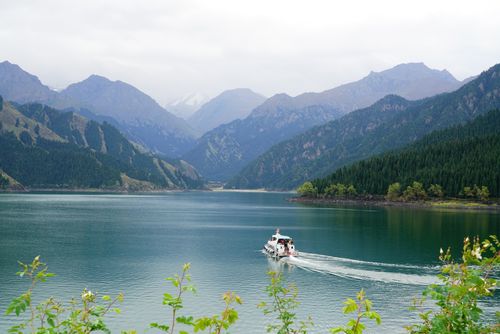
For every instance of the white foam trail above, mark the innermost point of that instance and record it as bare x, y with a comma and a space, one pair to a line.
320, 257
364, 270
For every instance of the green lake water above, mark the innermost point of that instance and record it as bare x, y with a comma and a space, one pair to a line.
130, 243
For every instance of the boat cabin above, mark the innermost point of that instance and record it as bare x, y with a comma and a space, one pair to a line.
282, 239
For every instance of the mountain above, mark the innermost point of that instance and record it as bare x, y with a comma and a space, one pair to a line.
225, 150
44, 148
20, 86
137, 115
226, 107
454, 158
187, 105
412, 81
140, 117
391, 123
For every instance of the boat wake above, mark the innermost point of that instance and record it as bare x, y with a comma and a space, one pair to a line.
364, 270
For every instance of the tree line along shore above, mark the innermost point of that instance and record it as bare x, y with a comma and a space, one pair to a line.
413, 195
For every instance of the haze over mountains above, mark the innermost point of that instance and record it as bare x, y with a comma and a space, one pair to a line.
187, 105
390, 123
226, 107
225, 150
136, 114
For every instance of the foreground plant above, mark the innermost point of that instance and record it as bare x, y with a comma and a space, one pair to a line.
363, 307
81, 316
215, 324
463, 285
283, 303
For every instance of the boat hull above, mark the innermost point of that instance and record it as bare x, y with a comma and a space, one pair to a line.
271, 251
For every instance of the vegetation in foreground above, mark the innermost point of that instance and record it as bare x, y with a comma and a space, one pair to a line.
463, 285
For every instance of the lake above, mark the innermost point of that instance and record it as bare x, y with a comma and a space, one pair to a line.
114, 243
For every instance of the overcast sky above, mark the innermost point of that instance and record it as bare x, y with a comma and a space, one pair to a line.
171, 48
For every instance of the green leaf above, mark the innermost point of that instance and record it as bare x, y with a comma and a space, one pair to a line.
185, 320
163, 328
51, 322
350, 306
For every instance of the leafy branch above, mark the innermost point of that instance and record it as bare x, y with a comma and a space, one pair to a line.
283, 303
363, 307
83, 317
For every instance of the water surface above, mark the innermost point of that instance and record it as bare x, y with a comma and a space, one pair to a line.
130, 243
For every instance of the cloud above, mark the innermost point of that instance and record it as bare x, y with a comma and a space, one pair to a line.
169, 48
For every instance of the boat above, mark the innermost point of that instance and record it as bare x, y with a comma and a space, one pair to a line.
280, 246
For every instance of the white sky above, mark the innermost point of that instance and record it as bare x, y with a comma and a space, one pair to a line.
171, 48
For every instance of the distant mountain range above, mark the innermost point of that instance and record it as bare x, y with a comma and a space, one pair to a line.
390, 123
136, 114
412, 81
226, 107
242, 125
41, 147
225, 150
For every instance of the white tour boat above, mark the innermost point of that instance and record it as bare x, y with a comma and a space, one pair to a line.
280, 246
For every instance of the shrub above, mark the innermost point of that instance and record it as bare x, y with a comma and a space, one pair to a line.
351, 191
415, 192
468, 192
435, 190
394, 191
482, 193
463, 284
340, 190
307, 190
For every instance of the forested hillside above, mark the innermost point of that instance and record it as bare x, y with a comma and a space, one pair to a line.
454, 158
44, 148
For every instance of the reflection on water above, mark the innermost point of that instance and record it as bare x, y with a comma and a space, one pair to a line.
113, 243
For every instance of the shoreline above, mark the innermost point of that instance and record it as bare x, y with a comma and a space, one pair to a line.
92, 191
447, 204
452, 204
124, 191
